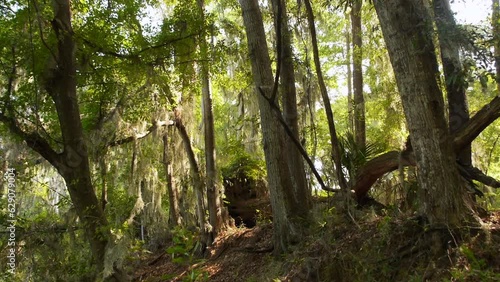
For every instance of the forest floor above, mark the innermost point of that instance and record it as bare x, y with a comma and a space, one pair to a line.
375, 247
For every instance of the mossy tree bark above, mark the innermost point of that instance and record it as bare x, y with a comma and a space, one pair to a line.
286, 218
302, 195
407, 29
458, 109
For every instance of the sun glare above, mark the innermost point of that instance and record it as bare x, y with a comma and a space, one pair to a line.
472, 11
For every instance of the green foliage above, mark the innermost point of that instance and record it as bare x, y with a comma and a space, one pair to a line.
119, 206
475, 269
50, 249
184, 243
144, 70
354, 156
244, 166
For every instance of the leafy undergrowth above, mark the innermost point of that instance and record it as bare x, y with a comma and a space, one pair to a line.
374, 248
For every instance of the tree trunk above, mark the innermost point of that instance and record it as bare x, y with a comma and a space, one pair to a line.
302, 196
496, 33
336, 154
350, 102
104, 183
213, 191
286, 219
173, 197
197, 183
387, 162
407, 28
453, 73
74, 165
357, 82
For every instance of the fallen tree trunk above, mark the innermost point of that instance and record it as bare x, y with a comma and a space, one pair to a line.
390, 161
376, 168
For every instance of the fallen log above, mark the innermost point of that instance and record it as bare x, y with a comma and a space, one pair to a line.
372, 170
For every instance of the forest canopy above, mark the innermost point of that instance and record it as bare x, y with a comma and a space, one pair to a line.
134, 126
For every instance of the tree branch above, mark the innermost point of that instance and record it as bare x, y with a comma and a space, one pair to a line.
390, 161
136, 54
482, 119
336, 153
34, 141
150, 130
295, 141
471, 172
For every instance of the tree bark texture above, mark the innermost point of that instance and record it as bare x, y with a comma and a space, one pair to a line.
302, 195
407, 27
357, 79
387, 162
285, 213
74, 162
213, 191
453, 73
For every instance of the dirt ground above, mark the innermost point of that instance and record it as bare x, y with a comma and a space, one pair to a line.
374, 248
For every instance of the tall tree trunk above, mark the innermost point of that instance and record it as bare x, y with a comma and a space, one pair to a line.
74, 166
407, 30
213, 191
197, 183
453, 73
350, 102
173, 197
286, 219
104, 183
302, 196
496, 32
336, 154
357, 82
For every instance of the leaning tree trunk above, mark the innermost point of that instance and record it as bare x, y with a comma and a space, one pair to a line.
336, 153
357, 78
453, 73
74, 164
407, 30
286, 220
197, 183
302, 195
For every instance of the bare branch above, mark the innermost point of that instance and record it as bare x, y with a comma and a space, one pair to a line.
39, 21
